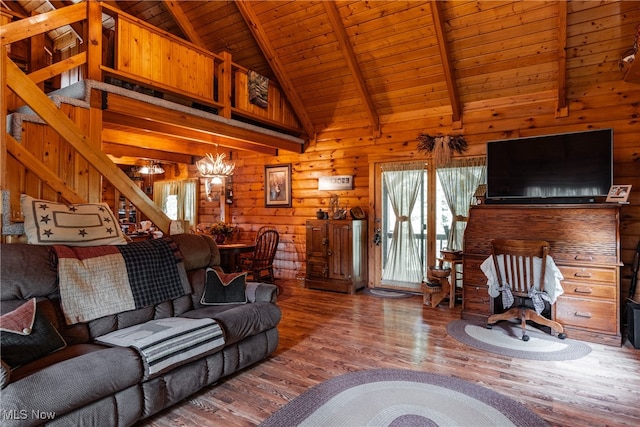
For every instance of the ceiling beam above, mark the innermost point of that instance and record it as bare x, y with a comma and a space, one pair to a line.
562, 109
183, 22
194, 145
75, 26
158, 131
445, 56
42, 23
147, 116
126, 151
251, 19
347, 49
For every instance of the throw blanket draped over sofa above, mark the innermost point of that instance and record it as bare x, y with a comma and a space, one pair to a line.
93, 352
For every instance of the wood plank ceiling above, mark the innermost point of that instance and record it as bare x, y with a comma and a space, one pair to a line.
357, 65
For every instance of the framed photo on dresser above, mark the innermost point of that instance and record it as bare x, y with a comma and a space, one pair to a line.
618, 193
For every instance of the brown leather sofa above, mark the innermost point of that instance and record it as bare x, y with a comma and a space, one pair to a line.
90, 384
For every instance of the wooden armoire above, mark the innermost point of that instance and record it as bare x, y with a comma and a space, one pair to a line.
336, 255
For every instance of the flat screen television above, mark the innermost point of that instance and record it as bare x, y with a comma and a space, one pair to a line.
563, 168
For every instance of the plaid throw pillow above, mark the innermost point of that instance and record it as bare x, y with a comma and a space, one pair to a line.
221, 288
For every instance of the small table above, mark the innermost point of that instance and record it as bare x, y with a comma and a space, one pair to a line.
453, 290
230, 254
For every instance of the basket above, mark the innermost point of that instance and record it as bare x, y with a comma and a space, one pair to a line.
431, 288
439, 273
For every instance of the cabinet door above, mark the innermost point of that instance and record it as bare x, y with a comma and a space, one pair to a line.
317, 239
340, 250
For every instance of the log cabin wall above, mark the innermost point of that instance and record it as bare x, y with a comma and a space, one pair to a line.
349, 156
506, 97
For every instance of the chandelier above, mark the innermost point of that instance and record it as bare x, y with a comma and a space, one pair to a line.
215, 167
151, 169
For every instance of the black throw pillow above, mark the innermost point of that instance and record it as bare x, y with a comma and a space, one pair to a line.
221, 288
26, 335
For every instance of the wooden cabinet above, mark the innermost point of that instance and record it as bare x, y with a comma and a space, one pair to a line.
585, 245
336, 255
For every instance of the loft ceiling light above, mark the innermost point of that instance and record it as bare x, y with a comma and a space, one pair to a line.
215, 167
151, 169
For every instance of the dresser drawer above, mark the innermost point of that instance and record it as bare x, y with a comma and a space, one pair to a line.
476, 299
585, 273
589, 290
587, 314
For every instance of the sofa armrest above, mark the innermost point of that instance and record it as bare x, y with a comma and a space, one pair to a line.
261, 292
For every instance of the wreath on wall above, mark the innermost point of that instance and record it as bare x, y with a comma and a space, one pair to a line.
442, 146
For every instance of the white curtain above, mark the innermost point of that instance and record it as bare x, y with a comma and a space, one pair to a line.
403, 183
460, 179
186, 192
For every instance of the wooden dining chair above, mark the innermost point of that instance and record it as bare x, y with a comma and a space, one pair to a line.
262, 258
517, 258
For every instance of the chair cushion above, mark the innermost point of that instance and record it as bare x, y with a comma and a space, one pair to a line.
221, 288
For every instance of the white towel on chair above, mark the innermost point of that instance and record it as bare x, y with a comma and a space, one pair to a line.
552, 276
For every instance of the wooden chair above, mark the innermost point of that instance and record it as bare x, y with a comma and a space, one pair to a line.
262, 258
518, 259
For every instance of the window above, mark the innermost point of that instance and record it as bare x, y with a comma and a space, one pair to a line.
178, 199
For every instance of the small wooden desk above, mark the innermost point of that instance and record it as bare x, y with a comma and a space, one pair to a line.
230, 254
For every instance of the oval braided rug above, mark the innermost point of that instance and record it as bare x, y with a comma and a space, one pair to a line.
397, 397
505, 338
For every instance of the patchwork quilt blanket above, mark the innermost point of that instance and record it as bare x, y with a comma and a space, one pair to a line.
97, 281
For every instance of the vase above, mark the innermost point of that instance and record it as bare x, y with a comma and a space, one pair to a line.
220, 238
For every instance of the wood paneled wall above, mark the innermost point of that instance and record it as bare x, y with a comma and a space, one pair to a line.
515, 117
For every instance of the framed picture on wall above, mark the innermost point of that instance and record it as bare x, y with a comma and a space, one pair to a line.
277, 186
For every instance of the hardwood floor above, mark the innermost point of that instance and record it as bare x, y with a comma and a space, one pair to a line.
325, 334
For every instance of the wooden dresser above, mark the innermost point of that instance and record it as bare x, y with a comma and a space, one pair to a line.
585, 245
336, 255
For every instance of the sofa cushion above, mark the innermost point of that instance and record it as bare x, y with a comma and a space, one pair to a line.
164, 344
221, 288
73, 383
83, 224
240, 321
27, 335
198, 250
26, 272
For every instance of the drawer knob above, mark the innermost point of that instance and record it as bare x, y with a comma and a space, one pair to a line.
583, 258
582, 273
583, 314
583, 290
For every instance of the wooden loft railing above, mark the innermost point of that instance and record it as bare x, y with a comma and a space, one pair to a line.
154, 58
53, 178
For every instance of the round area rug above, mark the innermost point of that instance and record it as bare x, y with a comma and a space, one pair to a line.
397, 397
383, 293
505, 338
